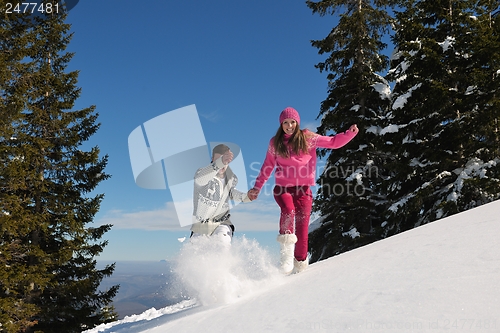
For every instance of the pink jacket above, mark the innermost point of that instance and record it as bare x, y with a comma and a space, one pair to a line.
298, 170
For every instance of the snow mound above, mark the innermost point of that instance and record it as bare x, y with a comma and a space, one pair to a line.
147, 315
440, 277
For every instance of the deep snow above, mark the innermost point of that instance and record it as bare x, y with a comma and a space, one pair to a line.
440, 277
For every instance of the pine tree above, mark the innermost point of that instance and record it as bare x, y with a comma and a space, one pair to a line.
445, 111
349, 195
15, 312
48, 276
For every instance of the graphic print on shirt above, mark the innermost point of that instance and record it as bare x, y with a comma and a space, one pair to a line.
209, 199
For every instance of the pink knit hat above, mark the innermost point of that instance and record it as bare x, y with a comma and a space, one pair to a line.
289, 113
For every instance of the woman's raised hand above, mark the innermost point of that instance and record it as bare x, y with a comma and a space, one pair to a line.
354, 128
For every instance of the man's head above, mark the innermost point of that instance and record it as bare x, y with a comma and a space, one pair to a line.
219, 149
217, 152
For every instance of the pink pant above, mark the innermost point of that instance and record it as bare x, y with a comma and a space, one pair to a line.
295, 203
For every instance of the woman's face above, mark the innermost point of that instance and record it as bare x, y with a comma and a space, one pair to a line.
289, 126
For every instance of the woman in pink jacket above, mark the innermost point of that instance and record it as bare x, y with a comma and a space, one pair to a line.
292, 152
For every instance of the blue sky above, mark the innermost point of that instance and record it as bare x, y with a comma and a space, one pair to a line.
240, 63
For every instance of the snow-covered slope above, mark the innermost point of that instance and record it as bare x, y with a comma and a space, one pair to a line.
441, 277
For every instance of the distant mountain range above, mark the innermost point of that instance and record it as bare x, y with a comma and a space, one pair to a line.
143, 285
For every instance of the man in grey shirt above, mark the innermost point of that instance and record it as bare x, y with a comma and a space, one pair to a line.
214, 186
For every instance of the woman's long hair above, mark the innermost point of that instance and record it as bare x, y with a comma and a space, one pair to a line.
297, 142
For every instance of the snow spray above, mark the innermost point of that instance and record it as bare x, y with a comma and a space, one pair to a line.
213, 272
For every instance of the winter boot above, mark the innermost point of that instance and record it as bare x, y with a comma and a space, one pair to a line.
299, 266
287, 247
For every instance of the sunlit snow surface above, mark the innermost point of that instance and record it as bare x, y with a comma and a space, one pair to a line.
440, 277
